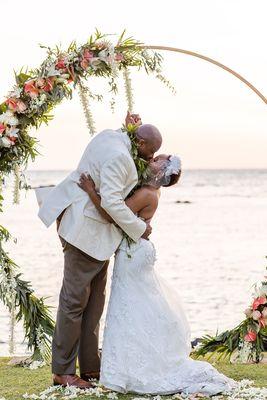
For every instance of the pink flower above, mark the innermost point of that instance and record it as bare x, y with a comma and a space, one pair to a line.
49, 84
258, 301
16, 105
12, 140
2, 129
21, 106
61, 64
264, 312
12, 104
256, 315
84, 63
87, 54
119, 57
31, 89
251, 336
262, 322
45, 84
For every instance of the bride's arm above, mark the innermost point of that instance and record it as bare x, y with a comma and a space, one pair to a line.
87, 184
137, 202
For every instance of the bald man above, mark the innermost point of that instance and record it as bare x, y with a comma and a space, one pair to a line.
89, 241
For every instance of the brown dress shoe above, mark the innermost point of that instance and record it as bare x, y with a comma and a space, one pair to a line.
71, 380
87, 376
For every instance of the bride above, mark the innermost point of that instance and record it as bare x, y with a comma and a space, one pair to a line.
146, 347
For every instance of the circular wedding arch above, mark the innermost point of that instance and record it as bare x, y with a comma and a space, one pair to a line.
214, 62
28, 105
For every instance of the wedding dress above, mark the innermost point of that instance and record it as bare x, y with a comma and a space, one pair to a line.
146, 342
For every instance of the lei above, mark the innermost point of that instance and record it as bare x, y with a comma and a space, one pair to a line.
140, 164
141, 167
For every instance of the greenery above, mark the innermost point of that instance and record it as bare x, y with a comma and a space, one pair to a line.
15, 292
15, 381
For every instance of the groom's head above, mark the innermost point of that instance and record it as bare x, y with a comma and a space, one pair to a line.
149, 141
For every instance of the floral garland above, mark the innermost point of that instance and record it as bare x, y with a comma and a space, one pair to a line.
249, 339
28, 105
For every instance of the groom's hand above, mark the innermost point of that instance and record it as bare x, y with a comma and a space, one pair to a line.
148, 231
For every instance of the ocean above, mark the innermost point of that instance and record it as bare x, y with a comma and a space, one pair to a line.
210, 232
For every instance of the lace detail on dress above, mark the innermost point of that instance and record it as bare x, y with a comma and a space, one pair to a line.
146, 343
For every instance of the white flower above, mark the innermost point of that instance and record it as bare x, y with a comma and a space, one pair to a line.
140, 398
50, 390
12, 132
9, 118
5, 142
16, 92
95, 61
263, 290
112, 396
36, 364
38, 102
103, 54
52, 71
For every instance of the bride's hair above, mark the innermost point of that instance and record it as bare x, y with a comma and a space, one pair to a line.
168, 174
174, 178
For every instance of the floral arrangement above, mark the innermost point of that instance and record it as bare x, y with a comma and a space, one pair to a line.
37, 91
249, 339
29, 104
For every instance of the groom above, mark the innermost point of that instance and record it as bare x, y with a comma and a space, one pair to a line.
89, 241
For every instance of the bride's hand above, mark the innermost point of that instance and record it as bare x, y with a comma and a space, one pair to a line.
87, 183
133, 119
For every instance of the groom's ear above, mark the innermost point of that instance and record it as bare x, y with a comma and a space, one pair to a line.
140, 141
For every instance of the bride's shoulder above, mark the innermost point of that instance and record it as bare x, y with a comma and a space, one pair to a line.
149, 193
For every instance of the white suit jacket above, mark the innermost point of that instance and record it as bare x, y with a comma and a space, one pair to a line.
108, 160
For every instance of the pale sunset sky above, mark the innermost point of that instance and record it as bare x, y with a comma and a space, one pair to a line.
214, 120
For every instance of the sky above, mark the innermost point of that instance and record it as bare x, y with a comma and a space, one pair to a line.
214, 120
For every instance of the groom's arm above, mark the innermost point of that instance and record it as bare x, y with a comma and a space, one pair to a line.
113, 177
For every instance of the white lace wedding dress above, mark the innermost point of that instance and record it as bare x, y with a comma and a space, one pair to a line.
146, 343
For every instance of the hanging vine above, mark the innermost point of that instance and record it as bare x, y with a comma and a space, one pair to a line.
128, 89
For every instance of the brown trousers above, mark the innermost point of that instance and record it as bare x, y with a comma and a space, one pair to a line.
81, 304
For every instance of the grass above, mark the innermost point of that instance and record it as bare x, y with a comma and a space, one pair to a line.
15, 381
